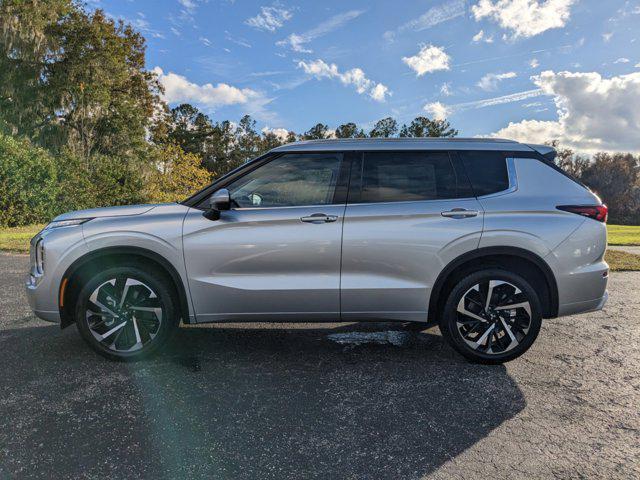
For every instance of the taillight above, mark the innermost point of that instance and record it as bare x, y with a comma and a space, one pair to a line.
596, 212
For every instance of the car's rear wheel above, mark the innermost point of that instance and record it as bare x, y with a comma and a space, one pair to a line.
491, 316
126, 313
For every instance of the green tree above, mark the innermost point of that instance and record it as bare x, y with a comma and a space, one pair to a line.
387, 127
176, 174
26, 47
190, 129
247, 139
69, 79
616, 179
349, 130
318, 132
101, 96
425, 127
268, 141
569, 161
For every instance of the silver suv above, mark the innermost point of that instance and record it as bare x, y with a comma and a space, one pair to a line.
482, 237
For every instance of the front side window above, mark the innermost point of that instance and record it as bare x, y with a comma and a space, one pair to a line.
288, 181
407, 176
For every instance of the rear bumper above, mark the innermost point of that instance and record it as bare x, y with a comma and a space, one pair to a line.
583, 307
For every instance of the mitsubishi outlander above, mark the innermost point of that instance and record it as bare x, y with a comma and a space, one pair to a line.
484, 238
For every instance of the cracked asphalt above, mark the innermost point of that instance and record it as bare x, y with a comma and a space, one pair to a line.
288, 401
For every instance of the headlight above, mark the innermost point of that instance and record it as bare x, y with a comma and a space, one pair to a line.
39, 256
66, 223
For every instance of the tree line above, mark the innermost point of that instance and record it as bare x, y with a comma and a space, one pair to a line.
615, 177
83, 123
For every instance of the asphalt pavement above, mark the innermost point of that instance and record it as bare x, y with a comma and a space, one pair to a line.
330, 401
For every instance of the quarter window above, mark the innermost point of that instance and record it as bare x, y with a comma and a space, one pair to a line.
287, 181
407, 176
486, 170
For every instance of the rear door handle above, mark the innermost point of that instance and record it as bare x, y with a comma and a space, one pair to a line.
460, 213
319, 218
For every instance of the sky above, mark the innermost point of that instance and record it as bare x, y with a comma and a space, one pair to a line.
529, 70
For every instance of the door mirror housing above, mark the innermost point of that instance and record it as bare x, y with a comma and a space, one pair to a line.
220, 200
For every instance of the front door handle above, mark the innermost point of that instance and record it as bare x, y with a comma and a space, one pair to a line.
460, 213
319, 218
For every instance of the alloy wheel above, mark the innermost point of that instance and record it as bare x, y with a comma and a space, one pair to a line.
124, 314
493, 317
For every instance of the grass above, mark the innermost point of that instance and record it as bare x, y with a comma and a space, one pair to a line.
16, 240
622, 261
624, 234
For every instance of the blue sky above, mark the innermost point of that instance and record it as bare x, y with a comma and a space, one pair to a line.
527, 69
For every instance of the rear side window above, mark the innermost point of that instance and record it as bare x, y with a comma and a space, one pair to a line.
486, 170
407, 176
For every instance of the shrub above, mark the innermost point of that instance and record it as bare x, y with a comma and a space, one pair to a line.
28, 183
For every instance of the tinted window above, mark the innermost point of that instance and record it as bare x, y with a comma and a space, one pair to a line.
487, 171
407, 176
290, 180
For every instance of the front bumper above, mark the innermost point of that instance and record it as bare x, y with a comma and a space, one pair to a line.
34, 298
42, 283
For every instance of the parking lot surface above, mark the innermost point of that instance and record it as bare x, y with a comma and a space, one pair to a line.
334, 401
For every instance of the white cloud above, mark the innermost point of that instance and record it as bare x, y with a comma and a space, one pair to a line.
445, 89
594, 113
490, 81
481, 37
178, 89
526, 18
188, 10
270, 18
607, 36
622, 60
205, 41
483, 103
237, 40
534, 63
297, 41
429, 59
437, 110
637, 65
432, 17
379, 92
189, 5
356, 77
532, 131
490, 102
281, 133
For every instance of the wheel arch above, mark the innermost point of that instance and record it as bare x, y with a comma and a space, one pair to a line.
69, 287
514, 259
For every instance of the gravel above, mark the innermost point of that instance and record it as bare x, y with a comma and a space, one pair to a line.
320, 401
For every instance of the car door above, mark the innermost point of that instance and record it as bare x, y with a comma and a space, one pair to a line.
409, 213
275, 255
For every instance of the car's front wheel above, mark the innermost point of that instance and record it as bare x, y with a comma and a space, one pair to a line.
491, 316
126, 313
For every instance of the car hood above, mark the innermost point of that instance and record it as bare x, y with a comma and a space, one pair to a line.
125, 210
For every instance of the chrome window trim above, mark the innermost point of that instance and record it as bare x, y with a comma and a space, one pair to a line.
321, 205
430, 200
513, 181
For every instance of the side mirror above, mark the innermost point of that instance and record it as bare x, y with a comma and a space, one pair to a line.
219, 201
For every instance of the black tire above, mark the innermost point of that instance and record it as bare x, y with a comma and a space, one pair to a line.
152, 327
474, 329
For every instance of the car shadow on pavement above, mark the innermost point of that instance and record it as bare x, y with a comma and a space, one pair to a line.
246, 403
